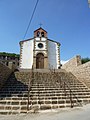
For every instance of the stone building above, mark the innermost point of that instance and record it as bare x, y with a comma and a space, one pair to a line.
9, 58
39, 52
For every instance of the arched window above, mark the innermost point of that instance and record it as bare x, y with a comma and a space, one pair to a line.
42, 34
38, 34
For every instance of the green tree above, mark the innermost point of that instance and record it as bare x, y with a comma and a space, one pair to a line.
9, 54
84, 60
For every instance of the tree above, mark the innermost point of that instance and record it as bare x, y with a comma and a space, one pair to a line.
84, 60
9, 54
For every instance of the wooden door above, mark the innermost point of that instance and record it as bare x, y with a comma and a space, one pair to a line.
40, 61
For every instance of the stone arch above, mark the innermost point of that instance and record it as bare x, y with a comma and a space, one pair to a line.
39, 61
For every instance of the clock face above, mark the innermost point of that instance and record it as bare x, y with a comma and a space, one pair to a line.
40, 45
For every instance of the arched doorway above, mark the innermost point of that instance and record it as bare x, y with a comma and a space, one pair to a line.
39, 61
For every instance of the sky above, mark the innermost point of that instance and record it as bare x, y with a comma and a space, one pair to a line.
66, 21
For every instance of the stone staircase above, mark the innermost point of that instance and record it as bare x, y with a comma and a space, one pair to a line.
33, 91
13, 97
85, 81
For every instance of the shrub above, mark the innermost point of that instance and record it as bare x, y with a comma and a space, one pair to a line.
84, 60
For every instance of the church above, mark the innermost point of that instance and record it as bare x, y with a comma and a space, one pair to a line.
39, 52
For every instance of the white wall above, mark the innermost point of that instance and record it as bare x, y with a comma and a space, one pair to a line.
26, 60
52, 54
27, 54
40, 39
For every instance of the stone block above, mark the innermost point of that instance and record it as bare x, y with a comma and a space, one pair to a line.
48, 102
54, 102
61, 102
15, 108
14, 103
1, 107
8, 107
45, 107
54, 106
23, 107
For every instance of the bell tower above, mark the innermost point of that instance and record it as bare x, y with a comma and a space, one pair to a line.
40, 33
40, 56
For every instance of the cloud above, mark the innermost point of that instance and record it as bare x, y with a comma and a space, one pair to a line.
63, 62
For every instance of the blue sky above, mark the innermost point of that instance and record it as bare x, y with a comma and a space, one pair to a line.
66, 21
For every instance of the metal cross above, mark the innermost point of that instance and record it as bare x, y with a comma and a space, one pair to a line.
40, 24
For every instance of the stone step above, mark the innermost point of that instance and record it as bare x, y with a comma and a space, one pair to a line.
13, 93
51, 102
54, 106
63, 96
13, 110
41, 90
46, 93
13, 102
54, 81
55, 92
61, 91
41, 83
57, 87
58, 91
14, 98
48, 96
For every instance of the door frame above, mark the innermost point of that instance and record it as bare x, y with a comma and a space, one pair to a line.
40, 61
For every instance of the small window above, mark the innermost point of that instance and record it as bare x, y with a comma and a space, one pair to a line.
40, 45
38, 34
42, 34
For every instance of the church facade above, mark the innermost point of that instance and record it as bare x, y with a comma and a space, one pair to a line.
39, 52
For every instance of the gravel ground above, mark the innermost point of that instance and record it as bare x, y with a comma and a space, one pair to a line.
67, 114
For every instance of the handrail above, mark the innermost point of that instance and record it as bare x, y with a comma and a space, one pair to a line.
29, 88
63, 84
71, 93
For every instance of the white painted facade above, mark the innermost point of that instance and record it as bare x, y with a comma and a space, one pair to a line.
53, 55
29, 50
27, 54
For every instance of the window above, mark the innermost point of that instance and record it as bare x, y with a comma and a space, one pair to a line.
40, 45
38, 34
42, 34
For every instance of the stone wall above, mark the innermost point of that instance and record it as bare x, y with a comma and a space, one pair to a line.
72, 63
81, 71
4, 74
24, 77
12, 66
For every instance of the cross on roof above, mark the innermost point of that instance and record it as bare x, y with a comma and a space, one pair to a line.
40, 24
